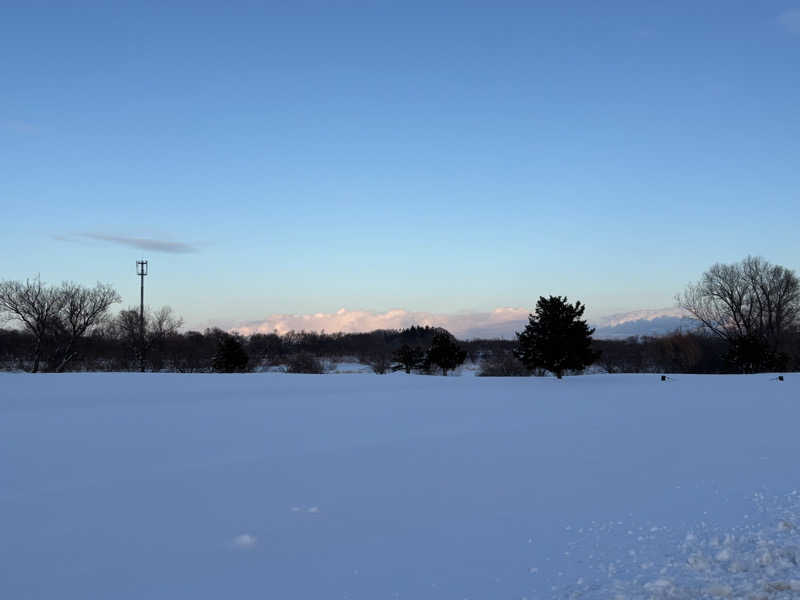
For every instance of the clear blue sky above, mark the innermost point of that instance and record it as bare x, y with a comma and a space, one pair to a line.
431, 156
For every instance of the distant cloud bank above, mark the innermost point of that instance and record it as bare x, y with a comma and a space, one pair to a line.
501, 322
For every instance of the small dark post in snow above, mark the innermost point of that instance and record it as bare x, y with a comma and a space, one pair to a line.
663, 378
141, 271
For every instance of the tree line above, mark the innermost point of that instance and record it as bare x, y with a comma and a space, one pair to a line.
748, 314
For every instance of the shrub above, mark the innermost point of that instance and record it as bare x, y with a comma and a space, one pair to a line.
502, 364
305, 363
380, 365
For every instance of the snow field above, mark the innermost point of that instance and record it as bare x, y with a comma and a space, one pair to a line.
366, 487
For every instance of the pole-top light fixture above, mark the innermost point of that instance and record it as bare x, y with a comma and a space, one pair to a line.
141, 268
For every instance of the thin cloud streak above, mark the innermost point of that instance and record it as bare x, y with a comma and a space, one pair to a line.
501, 322
17, 126
143, 243
790, 20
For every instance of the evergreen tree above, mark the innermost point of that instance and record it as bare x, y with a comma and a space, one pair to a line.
231, 356
445, 352
408, 358
556, 338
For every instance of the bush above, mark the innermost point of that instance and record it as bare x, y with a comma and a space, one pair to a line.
380, 365
305, 363
502, 364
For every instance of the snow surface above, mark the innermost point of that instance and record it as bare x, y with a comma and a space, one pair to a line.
133, 486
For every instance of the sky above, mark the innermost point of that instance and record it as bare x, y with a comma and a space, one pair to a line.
447, 158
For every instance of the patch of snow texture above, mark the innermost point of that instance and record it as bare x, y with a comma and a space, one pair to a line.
754, 560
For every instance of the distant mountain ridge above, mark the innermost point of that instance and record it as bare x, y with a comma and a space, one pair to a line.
644, 322
648, 322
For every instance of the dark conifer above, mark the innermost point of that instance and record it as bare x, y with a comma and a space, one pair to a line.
445, 352
231, 356
556, 338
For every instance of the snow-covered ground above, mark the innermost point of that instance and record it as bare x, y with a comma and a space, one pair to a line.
132, 486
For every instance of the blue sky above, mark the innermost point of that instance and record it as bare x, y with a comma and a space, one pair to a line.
301, 157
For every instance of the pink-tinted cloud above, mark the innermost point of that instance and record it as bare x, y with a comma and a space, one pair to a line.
501, 322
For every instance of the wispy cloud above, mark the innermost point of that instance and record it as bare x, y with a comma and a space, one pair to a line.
17, 126
790, 20
502, 322
150, 244
244, 541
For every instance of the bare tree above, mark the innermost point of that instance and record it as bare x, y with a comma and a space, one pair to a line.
35, 306
57, 317
82, 310
158, 327
753, 305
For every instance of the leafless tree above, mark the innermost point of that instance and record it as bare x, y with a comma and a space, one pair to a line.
82, 310
56, 317
158, 326
752, 302
35, 306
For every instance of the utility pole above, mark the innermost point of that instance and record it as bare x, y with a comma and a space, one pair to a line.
141, 271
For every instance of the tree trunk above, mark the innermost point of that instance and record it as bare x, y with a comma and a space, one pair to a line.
66, 355
62, 365
36, 354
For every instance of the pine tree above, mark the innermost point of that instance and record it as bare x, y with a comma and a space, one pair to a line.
556, 338
231, 356
445, 352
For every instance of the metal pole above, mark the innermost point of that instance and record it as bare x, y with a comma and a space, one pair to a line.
141, 324
141, 271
